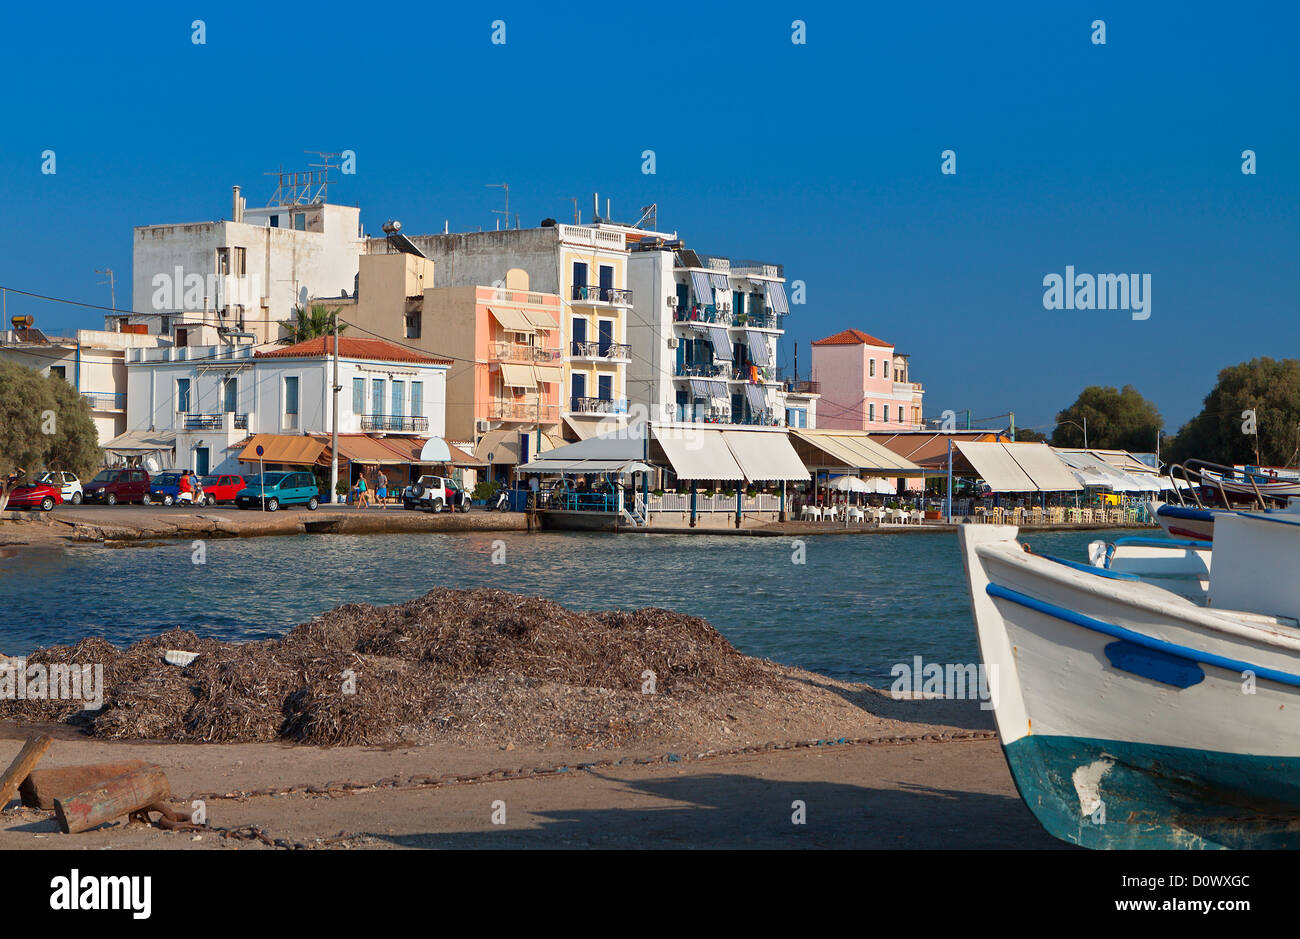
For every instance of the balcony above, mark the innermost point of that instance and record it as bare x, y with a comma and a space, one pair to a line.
594, 349
579, 405
216, 421
766, 374
803, 387
705, 315
522, 352
105, 400
501, 409
611, 296
720, 370
764, 320
398, 423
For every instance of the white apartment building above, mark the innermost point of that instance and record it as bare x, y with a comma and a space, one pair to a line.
215, 398
704, 333
243, 275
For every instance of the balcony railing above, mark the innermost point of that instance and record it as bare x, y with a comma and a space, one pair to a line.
708, 314
703, 370
215, 421
502, 410
580, 405
105, 400
594, 349
803, 387
594, 294
765, 374
763, 320
522, 352
395, 422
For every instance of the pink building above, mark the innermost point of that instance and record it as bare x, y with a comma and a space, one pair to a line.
865, 384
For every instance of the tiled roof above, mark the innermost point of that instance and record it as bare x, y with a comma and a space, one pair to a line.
851, 337
352, 348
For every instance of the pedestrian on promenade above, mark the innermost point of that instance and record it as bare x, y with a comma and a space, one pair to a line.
381, 487
196, 483
363, 491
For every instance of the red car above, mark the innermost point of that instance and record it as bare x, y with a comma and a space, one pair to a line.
222, 488
35, 496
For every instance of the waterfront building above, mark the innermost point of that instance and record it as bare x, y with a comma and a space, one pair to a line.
865, 384
504, 383
197, 281
704, 334
586, 267
216, 399
92, 361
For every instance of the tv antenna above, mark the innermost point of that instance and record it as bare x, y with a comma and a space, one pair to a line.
649, 216
112, 287
506, 211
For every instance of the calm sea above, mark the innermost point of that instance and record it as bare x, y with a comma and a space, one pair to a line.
856, 606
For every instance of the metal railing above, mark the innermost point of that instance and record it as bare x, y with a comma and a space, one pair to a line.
702, 370
595, 349
709, 314
522, 352
501, 410
591, 293
582, 405
397, 422
106, 400
214, 421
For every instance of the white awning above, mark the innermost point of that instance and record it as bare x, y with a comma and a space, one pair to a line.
698, 453
562, 467
548, 374
853, 449
141, 441
519, 376
1018, 467
512, 320
1042, 466
541, 319
765, 455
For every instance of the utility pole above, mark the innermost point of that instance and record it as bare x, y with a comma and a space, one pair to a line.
334, 431
112, 287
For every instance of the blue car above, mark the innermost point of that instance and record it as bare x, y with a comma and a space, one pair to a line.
165, 488
273, 490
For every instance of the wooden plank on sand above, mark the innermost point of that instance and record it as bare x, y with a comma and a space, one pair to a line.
28, 757
43, 786
111, 799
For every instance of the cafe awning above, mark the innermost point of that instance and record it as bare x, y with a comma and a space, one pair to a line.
765, 455
512, 319
850, 449
1018, 467
282, 448
698, 453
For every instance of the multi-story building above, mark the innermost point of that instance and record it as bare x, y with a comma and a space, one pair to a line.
704, 333
586, 266
92, 361
214, 398
504, 385
242, 275
865, 384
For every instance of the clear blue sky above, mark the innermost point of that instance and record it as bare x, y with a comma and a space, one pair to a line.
825, 157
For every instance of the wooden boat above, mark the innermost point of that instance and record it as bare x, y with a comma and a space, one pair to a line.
1130, 716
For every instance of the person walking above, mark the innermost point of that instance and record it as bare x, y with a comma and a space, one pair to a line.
363, 491
381, 488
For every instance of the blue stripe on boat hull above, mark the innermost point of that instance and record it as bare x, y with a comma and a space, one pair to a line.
1160, 797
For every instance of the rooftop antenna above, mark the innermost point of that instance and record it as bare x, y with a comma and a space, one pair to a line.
502, 212
319, 180
577, 216
112, 288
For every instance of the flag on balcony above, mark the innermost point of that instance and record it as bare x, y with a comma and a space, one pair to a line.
758, 347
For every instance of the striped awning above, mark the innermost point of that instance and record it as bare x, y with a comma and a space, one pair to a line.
703, 289
705, 388
721, 342
757, 396
758, 347
720, 281
776, 298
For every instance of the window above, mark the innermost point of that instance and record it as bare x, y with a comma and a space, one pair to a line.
230, 394
223, 261
377, 397
358, 396
605, 384
606, 280
579, 385
886, 364
417, 399
399, 398
606, 330
579, 274
275, 221
413, 319
871, 368
300, 222
886, 414
291, 402
182, 396
871, 413
60, 370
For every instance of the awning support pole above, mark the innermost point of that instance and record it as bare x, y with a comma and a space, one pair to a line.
948, 511
740, 483
782, 516
693, 503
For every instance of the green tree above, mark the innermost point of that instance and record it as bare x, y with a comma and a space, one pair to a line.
310, 324
42, 420
1116, 420
1221, 433
1028, 435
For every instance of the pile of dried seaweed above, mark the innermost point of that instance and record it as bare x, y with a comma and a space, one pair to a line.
460, 665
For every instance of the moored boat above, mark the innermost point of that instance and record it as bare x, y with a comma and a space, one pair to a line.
1132, 717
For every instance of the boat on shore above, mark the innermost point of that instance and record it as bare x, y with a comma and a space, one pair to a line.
1131, 716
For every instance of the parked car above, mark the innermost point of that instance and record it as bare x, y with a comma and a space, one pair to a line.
68, 484
118, 485
279, 489
432, 494
41, 496
222, 488
164, 487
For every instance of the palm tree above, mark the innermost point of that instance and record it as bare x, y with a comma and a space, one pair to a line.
310, 324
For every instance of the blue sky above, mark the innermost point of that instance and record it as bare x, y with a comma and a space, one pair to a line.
825, 157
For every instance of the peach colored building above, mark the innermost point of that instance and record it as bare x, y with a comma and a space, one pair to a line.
865, 384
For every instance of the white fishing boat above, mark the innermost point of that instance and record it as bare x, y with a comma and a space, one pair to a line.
1180, 565
1132, 717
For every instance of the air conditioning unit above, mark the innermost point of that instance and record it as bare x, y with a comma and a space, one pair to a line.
481, 426
673, 342
724, 307
672, 302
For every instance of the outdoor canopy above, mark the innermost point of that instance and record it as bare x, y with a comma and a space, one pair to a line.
696, 453
519, 376
512, 320
703, 289
851, 449
541, 319
282, 448
765, 455
1018, 467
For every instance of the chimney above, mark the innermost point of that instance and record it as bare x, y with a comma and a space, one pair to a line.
237, 213
595, 207
608, 216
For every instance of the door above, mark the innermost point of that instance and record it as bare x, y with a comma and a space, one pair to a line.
579, 389
230, 394
579, 335
606, 385
606, 280
606, 328
201, 460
